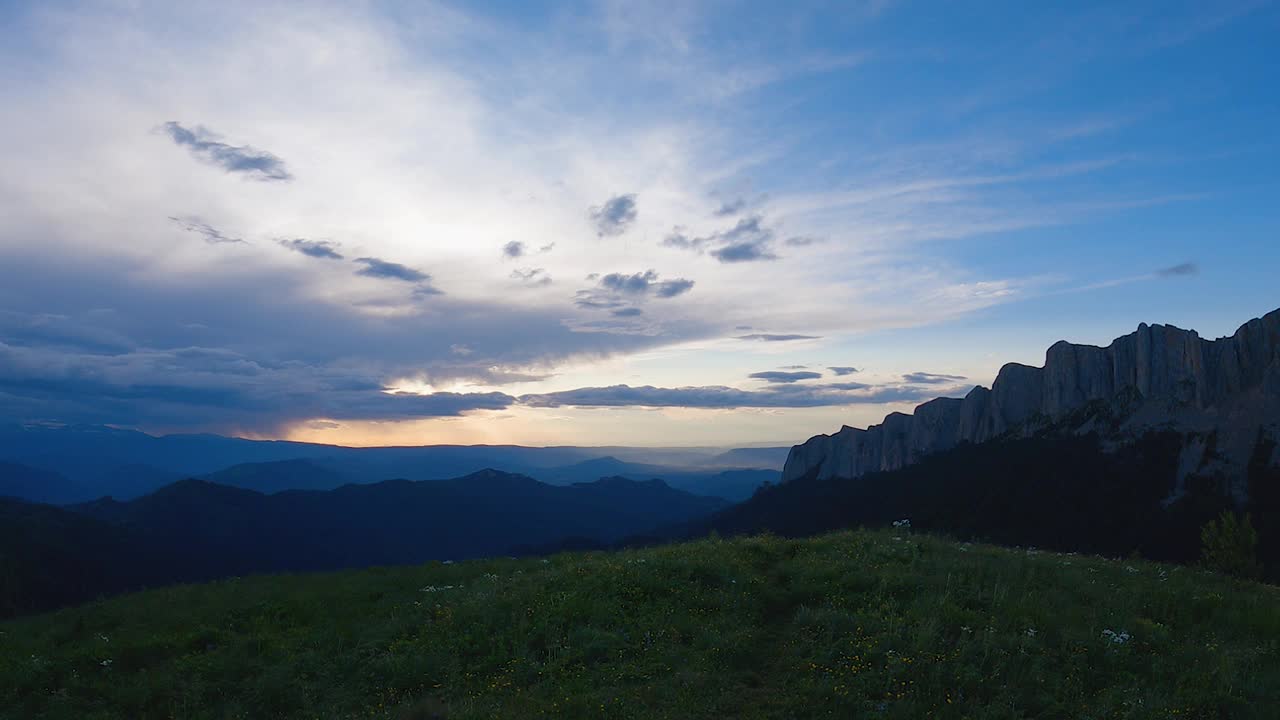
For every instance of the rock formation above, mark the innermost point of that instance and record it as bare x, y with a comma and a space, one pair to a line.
1159, 376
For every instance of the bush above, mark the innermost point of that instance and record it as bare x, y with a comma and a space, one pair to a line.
1229, 545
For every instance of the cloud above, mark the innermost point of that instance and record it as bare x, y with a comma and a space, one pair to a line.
773, 337
257, 164
719, 396
1181, 270
843, 370
376, 268
923, 378
743, 252
627, 312
615, 216
150, 386
513, 249
210, 234
255, 351
312, 248
531, 276
778, 376
747, 241
801, 241
612, 288
547, 248
731, 207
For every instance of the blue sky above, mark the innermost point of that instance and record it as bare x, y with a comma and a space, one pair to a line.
594, 222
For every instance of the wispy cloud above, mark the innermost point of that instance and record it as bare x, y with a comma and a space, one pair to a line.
531, 276
749, 240
378, 268
312, 248
842, 370
243, 159
777, 337
1180, 270
513, 249
210, 234
923, 378
778, 376
718, 396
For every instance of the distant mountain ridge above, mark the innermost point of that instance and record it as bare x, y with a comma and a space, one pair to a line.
196, 530
89, 462
1223, 395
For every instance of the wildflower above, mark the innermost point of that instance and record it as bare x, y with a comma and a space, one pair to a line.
545, 561
446, 562
1119, 638
105, 663
1130, 568
101, 637
1031, 632
904, 523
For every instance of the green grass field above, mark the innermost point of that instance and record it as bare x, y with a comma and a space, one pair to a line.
854, 624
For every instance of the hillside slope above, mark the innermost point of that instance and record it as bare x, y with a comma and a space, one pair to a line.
1065, 492
846, 625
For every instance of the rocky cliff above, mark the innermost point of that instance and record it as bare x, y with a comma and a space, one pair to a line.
1159, 376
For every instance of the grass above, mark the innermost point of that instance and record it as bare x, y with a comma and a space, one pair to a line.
853, 624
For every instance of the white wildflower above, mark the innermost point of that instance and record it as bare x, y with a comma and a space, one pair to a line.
105, 663
1031, 632
1119, 638
904, 523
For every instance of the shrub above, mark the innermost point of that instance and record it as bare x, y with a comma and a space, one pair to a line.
1229, 545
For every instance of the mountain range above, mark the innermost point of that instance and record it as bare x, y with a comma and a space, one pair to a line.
78, 463
1222, 396
196, 530
1132, 447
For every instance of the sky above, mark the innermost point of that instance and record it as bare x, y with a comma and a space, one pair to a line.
609, 223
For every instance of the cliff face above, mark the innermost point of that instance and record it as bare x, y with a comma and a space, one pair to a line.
1162, 375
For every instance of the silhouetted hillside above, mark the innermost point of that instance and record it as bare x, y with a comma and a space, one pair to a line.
195, 529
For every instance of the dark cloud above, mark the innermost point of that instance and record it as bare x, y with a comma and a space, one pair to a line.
218, 384
672, 288
210, 234
547, 248
614, 216
377, 268
778, 376
84, 340
627, 312
312, 248
719, 396
747, 241
531, 276
257, 164
1179, 270
513, 249
731, 207
843, 370
795, 367
611, 289
923, 378
743, 252
772, 337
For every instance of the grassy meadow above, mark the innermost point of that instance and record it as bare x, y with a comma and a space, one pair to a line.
877, 624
